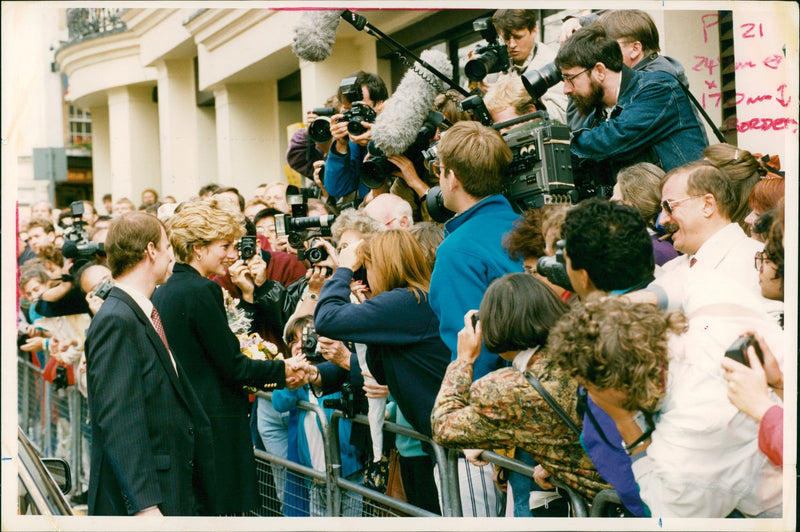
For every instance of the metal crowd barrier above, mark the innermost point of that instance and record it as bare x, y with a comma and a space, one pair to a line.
576, 502
55, 421
340, 497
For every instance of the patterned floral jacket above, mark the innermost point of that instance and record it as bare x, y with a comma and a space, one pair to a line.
503, 410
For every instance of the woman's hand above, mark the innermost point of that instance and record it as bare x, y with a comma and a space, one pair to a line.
334, 351
34, 344
472, 457
772, 370
240, 276
316, 276
360, 290
540, 476
469, 339
257, 267
373, 390
747, 386
349, 256
297, 372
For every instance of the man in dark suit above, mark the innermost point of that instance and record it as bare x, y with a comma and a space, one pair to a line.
152, 450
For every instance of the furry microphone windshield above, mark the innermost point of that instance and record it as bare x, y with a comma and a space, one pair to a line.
315, 33
403, 114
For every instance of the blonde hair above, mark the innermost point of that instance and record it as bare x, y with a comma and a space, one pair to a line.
506, 92
201, 222
640, 185
398, 261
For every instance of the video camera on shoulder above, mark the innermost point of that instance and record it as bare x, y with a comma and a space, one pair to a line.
77, 245
299, 226
359, 111
541, 166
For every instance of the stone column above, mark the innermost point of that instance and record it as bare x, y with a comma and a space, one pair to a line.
247, 135
178, 128
134, 142
101, 156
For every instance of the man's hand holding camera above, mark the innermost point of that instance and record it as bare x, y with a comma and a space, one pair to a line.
363, 138
247, 275
339, 132
469, 338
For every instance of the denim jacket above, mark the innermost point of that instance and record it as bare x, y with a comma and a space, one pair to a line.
652, 114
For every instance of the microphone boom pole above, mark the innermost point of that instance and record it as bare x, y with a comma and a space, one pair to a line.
360, 22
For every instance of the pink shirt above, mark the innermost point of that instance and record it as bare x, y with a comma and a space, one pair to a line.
770, 435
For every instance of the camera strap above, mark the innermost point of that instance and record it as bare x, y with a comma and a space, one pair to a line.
552, 402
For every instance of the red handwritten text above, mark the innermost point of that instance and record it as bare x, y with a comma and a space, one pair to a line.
773, 61
750, 30
762, 124
741, 98
707, 63
709, 20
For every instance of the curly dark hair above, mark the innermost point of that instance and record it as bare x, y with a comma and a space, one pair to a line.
610, 241
613, 343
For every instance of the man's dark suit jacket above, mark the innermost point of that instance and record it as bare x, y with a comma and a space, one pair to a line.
193, 313
151, 440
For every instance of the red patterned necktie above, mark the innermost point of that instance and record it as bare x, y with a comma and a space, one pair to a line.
692, 262
159, 328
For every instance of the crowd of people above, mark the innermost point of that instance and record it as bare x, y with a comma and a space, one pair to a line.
595, 341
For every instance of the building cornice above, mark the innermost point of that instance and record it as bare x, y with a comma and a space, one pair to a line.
140, 21
101, 49
218, 26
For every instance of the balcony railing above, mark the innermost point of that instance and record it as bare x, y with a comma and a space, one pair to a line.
88, 23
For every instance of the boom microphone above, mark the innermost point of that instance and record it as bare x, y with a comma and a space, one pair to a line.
403, 114
314, 34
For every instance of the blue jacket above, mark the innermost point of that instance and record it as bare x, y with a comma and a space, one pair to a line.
341, 171
652, 111
285, 400
404, 350
468, 260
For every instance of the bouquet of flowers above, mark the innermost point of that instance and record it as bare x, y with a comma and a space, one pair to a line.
251, 345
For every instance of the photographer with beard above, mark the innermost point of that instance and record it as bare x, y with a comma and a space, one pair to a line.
634, 116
